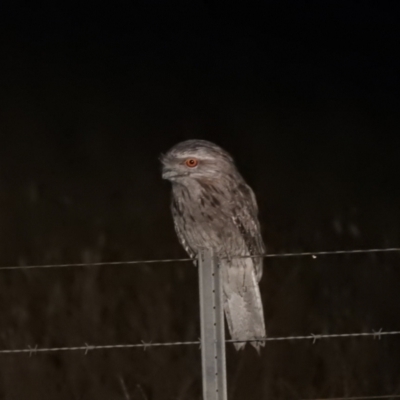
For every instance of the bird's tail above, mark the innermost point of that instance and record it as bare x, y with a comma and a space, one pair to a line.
242, 302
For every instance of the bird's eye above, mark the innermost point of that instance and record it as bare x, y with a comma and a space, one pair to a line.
191, 162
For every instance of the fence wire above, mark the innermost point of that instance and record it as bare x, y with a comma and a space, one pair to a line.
313, 254
145, 345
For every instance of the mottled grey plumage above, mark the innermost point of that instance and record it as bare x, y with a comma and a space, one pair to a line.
213, 207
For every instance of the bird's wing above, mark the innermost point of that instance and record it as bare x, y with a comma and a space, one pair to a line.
176, 213
245, 218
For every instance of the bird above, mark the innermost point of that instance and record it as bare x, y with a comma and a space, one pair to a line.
214, 208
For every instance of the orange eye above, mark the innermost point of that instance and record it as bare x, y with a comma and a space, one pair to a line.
191, 162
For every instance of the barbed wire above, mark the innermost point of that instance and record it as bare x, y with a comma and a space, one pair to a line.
87, 347
314, 337
145, 345
313, 254
337, 252
95, 264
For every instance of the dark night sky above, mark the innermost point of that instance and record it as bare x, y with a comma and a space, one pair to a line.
275, 52
184, 68
349, 37
311, 46
333, 44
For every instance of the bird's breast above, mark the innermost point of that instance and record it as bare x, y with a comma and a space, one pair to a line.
204, 222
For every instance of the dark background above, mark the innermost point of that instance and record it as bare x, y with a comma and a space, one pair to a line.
305, 97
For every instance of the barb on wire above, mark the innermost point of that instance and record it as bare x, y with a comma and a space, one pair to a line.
87, 348
313, 254
315, 338
145, 345
32, 350
378, 334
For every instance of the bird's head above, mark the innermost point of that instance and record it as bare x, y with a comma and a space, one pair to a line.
196, 159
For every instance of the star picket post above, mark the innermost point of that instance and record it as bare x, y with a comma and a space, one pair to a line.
212, 328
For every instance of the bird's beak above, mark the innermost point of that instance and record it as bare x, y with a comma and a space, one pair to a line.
169, 174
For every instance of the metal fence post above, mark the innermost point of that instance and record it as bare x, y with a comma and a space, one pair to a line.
212, 328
